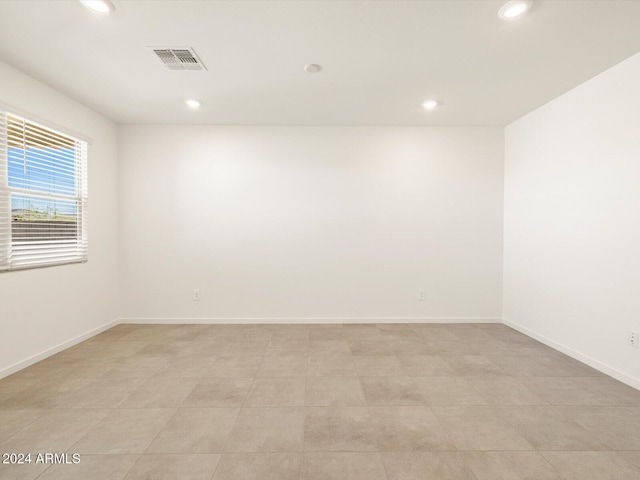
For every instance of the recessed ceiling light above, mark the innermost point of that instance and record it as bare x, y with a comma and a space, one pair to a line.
312, 68
192, 103
514, 9
99, 6
430, 104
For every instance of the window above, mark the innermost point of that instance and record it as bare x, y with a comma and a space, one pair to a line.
43, 195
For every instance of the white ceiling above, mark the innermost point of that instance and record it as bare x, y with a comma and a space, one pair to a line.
380, 59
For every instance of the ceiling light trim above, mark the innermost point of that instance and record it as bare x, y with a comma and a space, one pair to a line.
514, 9
431, 104
312, 68
99, 7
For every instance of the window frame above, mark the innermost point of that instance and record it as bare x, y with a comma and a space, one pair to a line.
74, 252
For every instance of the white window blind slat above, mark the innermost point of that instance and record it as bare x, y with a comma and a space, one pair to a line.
31, 139
51, 166
43, 195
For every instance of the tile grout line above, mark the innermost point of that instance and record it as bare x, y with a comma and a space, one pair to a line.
304, 419
367, 406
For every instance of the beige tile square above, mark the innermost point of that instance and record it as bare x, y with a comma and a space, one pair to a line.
505, 391
617, 428
633, 457
235, 366
158, 392
502, 347
288, 347
378, 366
448, 391
370, 347
329, 347
137, 367
124, 431
425, 366
510, 466
564, 366
560, 391
451, 347
338, 429
54, 431
98, 393
331, 366
149, 333
172, 467
188, 366
94, 467
283, 366
473, 365
246, 347
408, 429
88, 369
609, 391
204, 346
394, 332
187, 332
14, 385
299, 331
326, 332
470, 332
116, 333
12, 421
219, 392
435, 333
334, 391
352, 332
267, 430
109, 350
50, 395
259, 466
196, 430
343, 466
398, 329
592, 466
276, 392
391, 391
408, 346
480, 428
426, 465
550, 428
164, 347
22, 472
521, 365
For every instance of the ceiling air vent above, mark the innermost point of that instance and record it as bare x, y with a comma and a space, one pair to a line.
178, 58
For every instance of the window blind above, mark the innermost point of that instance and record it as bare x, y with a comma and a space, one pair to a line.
43, 195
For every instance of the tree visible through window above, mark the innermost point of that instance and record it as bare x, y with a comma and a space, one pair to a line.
43, 195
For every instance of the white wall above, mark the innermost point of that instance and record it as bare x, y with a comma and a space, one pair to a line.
302, 223
572, 221
45, 308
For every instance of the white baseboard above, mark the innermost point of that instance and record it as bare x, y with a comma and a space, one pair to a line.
581, 357
303, 320
11, 369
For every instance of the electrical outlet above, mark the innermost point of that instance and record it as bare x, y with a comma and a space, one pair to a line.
196, 295
633, 339
422, 294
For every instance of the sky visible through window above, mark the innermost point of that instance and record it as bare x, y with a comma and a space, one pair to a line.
46, 170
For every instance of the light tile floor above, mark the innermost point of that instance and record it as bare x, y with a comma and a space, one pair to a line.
331, 402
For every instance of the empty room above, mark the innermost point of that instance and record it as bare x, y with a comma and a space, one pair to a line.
319, 240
